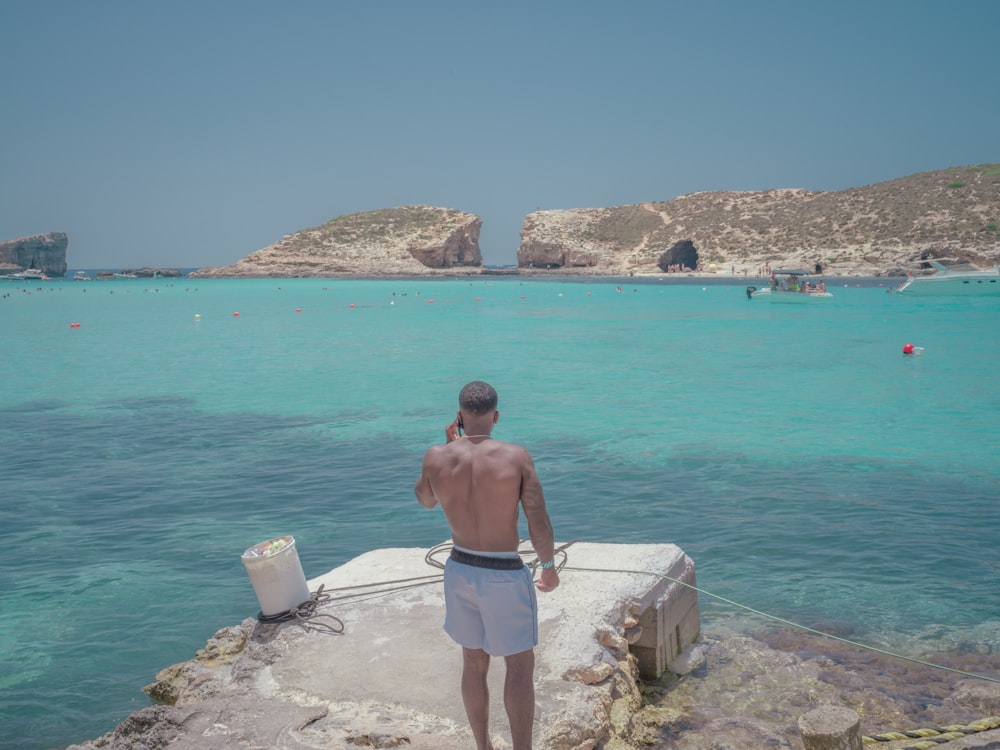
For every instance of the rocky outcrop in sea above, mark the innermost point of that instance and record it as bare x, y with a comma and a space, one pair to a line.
886, 229
42, 252
407, 240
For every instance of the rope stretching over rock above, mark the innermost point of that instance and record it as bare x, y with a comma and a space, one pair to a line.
935, 735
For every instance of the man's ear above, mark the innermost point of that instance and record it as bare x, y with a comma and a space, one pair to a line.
496, 417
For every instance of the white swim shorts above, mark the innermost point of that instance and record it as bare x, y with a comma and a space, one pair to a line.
488, 609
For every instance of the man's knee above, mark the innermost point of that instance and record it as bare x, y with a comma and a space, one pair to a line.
523, 661
475, 660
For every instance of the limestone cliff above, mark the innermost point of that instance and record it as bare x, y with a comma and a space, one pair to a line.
42, 252
394, 241
881, 229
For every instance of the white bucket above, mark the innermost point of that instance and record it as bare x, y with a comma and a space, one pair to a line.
276, 575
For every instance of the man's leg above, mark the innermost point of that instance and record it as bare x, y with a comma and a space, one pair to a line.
476, 694
519, 697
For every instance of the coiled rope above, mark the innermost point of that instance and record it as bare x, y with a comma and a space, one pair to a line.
527, 554
932, 736
305, 615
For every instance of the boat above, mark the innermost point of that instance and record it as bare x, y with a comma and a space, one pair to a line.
962, 280
28, 274
791, 285
81, 276
125, 276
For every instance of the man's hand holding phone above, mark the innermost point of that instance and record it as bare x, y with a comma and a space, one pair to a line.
454, 430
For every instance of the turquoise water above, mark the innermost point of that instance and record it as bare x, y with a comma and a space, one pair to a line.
811, 470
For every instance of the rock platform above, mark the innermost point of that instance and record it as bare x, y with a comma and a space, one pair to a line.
372, 666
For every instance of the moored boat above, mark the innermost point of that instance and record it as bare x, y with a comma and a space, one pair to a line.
790, 285
28, 274
953, 281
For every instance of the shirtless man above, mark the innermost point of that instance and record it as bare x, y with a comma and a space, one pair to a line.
490, 604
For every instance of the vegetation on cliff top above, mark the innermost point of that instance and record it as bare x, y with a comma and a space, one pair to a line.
884, 227
422, 222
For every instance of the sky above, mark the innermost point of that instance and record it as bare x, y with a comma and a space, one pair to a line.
191, 133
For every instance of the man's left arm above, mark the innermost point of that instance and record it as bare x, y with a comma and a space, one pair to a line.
539, 523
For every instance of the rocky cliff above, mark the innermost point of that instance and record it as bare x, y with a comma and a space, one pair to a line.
43, 252
407, 240
881, 229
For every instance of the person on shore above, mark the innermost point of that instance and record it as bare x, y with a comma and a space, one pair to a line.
490, 603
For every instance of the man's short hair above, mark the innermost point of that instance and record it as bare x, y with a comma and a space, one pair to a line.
478, 398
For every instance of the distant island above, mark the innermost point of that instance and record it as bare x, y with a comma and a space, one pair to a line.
402, 241
46, 254
887, 229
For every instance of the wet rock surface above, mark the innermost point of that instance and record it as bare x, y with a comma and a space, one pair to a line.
752, 689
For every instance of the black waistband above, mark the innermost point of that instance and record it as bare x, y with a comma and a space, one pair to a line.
482, 561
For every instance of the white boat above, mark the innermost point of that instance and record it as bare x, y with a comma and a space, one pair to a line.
790, 286
28, 274
125, 276
952, 281
81, 276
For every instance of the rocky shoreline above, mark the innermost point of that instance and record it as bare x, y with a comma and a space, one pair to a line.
754, 684
740, 685
749, 688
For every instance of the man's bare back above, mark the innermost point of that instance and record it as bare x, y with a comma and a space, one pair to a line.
479, 483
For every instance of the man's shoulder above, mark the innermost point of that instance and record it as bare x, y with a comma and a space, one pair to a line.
436, 451
512, 449
515, 446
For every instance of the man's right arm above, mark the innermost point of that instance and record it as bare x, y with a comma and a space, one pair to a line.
423, 489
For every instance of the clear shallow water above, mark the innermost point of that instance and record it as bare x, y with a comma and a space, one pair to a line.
810, 469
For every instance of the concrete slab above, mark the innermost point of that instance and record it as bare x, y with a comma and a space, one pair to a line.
391, 678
